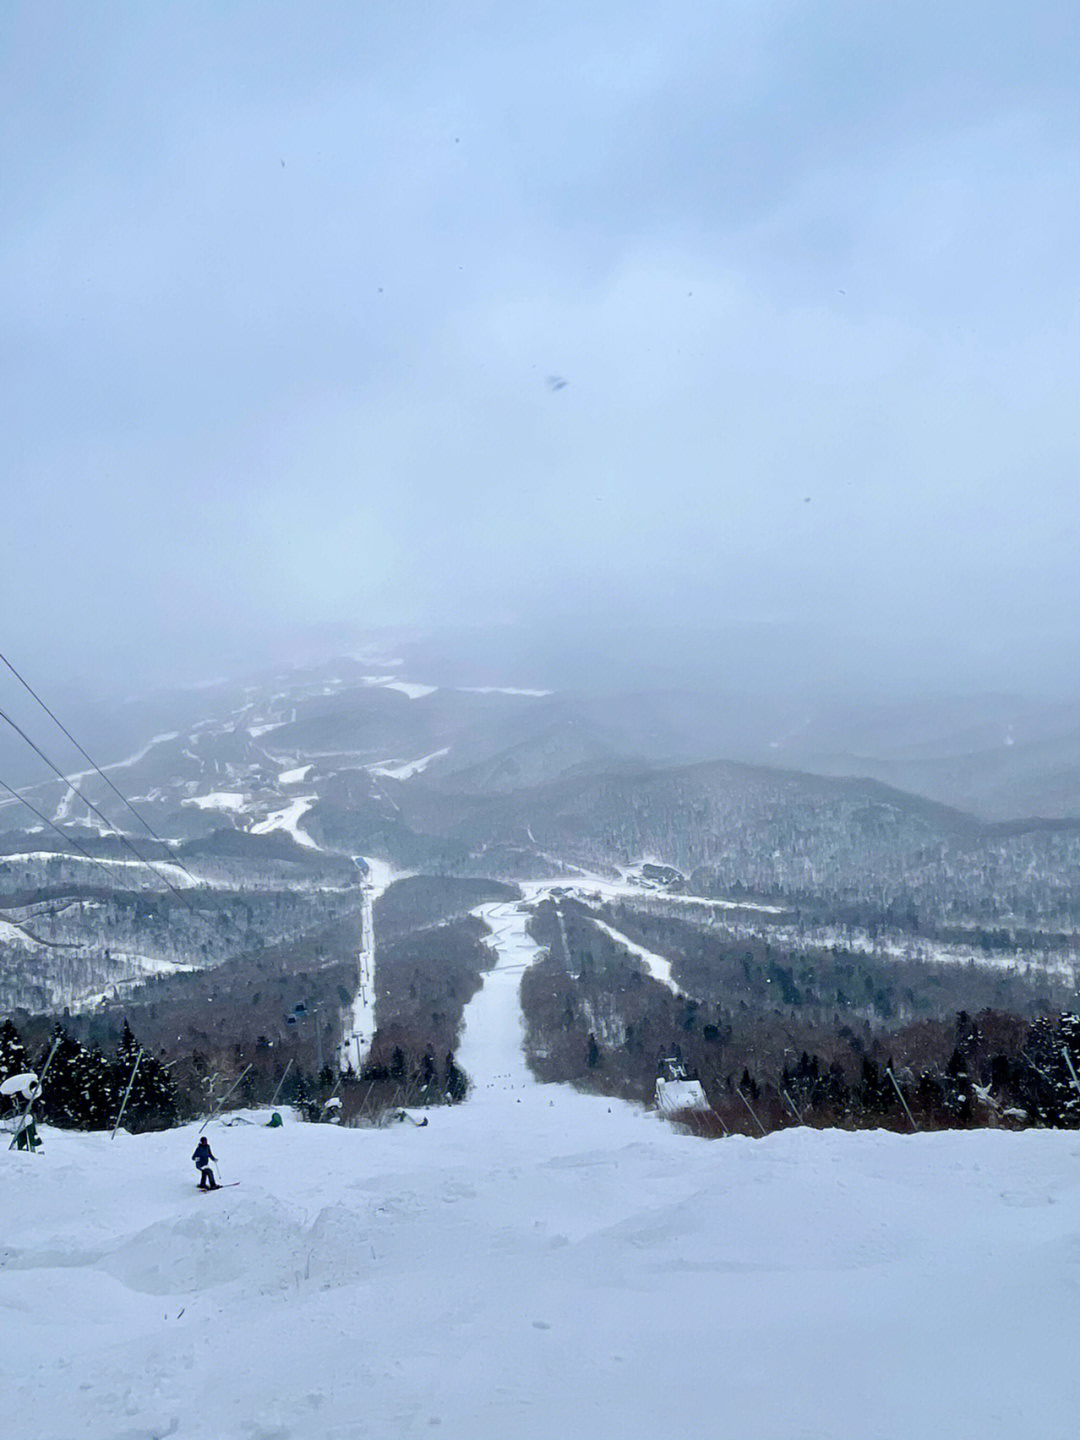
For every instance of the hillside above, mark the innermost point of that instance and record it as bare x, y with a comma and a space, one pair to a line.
538, 1261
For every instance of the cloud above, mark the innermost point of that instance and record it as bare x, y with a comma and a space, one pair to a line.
282, 294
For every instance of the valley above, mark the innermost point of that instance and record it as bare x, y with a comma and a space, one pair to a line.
318, 909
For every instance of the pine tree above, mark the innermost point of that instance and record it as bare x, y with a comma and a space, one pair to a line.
457, 1083
153, 1103
80, 1088
13, 1057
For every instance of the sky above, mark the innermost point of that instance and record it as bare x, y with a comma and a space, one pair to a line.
729, 339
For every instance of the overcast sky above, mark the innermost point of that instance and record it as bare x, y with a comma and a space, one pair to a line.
284, 288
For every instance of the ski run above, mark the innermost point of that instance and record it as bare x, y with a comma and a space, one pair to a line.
536, 1264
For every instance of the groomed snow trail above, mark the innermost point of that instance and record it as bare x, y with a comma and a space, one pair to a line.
493, 1032
358, 1024
658, 967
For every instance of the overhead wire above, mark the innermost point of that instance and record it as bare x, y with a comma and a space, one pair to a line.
91, 806
90, 760
68, 839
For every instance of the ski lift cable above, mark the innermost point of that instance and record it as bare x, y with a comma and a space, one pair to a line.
91, 806
67, 839
88, 758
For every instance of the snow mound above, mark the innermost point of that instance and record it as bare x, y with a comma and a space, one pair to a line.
536, 1256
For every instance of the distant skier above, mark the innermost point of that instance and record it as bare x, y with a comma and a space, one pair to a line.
202, 1157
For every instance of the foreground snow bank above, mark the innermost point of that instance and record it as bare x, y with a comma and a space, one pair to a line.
549, 1264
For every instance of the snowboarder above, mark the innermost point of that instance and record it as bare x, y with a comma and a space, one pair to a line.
202, 1157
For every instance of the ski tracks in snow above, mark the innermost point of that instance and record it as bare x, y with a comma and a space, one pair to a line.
492, 1045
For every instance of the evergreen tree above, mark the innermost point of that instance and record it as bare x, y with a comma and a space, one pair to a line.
79, 1088
457, 1083
13, 1057
96, 1084
153, 1103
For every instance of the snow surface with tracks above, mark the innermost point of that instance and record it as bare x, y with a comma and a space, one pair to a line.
358, 1026
534, 1264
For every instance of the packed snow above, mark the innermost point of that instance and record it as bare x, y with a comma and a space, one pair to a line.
492, 1032
502, 690
538, 1263
411, 688
289, 819
15, 935
175, 873
358, 1028
393, 770
658, 967
231, 801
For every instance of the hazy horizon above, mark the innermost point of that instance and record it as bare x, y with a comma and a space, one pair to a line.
725, 345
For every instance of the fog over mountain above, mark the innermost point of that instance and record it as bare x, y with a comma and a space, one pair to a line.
722, 346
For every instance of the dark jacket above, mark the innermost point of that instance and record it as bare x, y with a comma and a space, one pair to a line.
203, 1155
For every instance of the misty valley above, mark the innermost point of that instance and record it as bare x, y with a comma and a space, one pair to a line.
327, 852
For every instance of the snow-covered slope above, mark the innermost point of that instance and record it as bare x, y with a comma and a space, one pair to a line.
563, 1267
536, 1264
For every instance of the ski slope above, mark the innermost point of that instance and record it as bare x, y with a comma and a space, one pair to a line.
536, 1264
538, 1267
658, 967
492, 1032
358, 1021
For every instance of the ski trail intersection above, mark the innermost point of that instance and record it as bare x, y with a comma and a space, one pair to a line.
537, 1264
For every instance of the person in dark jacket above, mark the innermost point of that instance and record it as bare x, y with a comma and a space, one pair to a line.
202, 1157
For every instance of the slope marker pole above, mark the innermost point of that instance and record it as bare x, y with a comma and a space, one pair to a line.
896, 1087
746, 1102
280, 1083
1072, 1068
127, 1092
221, 1102
794, 1107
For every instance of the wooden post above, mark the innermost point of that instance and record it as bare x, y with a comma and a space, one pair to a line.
127, 1092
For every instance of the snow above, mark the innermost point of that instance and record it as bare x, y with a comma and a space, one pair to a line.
358, 1027
177, 875
675, 1095
538, 1263
394, 771
289, 819
294, 776
230, 800
490, 1052
264, 729
657, 966
600, 887
16, 935
410, 688
501, 690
